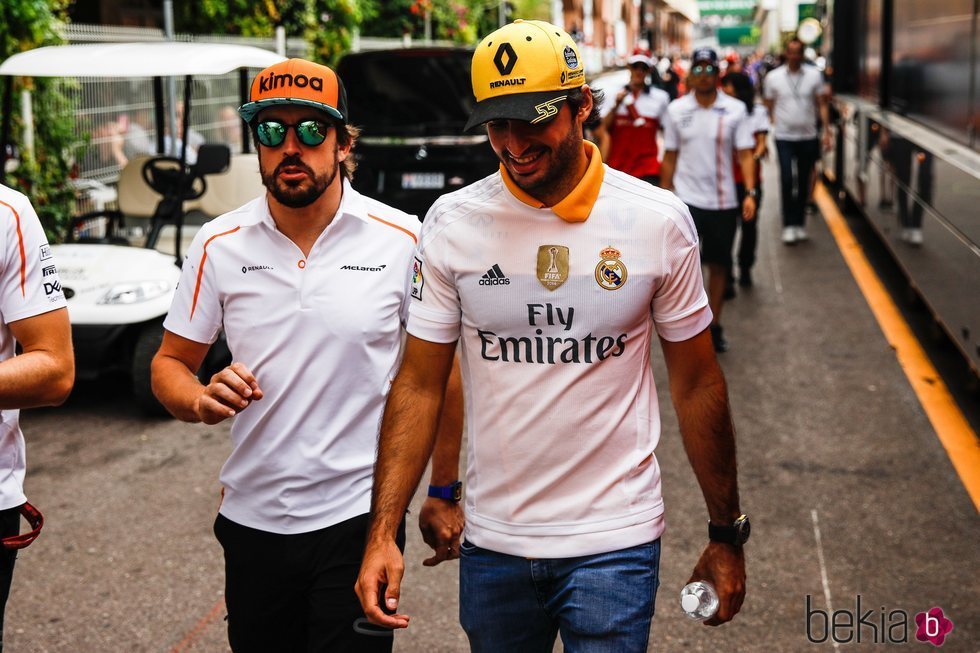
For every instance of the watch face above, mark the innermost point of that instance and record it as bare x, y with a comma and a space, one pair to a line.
743, 529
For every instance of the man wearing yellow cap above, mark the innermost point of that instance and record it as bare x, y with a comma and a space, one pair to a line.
553, 274
310, 284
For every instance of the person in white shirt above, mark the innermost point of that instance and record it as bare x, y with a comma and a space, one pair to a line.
35, 317
703, 129
310, 284
795, 94
553, 274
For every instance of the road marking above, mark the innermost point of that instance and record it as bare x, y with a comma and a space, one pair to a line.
823, 570
954, 432
195, 633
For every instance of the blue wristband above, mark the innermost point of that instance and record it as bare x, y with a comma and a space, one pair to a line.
452, 492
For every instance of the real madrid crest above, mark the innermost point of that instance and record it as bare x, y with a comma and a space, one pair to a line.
610, 273
552, 265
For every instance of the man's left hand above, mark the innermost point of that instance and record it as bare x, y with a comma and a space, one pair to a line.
441, 523
723, 565
748, 208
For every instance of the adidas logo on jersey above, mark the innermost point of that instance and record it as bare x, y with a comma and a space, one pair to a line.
494, 277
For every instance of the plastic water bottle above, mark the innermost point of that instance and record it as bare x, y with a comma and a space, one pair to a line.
699, 600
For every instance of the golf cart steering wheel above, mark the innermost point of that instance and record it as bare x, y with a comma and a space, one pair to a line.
163, 174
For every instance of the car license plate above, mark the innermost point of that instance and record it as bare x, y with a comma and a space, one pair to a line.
423, 180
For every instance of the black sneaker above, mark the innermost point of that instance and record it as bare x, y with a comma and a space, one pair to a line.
745, 278
729, 290
718, 338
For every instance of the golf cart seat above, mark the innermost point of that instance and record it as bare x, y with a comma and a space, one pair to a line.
238, 185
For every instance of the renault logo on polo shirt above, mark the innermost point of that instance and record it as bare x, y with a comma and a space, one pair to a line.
505, 67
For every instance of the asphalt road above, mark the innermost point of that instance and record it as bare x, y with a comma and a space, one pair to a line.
850, 492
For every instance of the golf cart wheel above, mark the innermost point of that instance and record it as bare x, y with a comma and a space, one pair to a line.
147, 345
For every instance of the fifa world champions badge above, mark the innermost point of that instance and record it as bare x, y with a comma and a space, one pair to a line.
610, 273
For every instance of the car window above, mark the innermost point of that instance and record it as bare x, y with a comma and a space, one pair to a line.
408, 92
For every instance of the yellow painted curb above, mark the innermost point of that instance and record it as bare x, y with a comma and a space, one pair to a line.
959, 440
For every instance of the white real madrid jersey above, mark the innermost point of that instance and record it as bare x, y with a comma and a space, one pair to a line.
322, 334
555, 317
705, 138
29, 286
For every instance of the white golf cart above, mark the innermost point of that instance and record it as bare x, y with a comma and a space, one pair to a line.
118, 281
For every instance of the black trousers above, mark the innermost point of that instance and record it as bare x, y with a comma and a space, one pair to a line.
9, 525
795, 190
747, 244
295, 593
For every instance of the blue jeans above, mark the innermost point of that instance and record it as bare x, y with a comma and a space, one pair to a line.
795, 195
599, 603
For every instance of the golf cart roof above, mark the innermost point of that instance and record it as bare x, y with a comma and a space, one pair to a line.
159, 59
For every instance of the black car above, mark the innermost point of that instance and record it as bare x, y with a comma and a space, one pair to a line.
411, 106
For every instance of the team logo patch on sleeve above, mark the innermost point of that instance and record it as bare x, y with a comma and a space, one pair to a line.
610, 273
552, 265
418, 281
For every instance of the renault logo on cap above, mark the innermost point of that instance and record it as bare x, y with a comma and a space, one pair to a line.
505, 68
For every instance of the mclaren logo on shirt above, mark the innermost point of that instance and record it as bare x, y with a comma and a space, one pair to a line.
546, 349
362, 268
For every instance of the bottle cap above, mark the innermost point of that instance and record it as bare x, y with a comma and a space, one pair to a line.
690, 602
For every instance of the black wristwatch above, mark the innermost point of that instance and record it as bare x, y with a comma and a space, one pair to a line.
735, 534
452, 492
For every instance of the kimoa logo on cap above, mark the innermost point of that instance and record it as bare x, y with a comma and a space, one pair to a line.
273, 81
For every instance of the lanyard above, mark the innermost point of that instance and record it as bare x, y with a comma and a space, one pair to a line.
35, 519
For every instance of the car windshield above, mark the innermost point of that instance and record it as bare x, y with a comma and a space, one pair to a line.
409, 92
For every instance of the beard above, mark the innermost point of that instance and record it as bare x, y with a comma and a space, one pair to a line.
564, 157
296, 195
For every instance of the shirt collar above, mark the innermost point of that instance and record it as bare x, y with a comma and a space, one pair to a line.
577, 205
351, 203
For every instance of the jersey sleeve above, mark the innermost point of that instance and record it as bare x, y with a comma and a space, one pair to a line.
672, 137
745, 132
196, 312
680, 305
29, 283
435, 314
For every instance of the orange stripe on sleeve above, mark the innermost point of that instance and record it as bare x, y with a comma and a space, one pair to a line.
395, 226
200, 269
23, 254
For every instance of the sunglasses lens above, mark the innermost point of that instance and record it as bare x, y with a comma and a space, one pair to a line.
311, 132
271, 134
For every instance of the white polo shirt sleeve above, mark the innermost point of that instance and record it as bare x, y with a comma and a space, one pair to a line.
435, 314
745, 132
29, 283
196, 312
672, 138
760, 119
680, 304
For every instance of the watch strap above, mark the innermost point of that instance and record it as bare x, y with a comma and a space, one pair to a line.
451, 492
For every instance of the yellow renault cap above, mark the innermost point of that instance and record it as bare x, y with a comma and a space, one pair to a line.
523, 71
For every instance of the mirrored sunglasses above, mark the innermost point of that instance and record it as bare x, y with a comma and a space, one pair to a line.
272, 133
705, 69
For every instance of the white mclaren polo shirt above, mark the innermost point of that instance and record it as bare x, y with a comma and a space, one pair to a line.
29, 286
705, 138
555, 309
323, 337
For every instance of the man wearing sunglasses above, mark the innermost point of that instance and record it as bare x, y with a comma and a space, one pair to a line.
564, 510
310, 284
703, 128
35, 319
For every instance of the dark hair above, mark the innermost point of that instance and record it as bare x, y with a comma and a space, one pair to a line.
744, 90
346, 134
576, 99
795, 39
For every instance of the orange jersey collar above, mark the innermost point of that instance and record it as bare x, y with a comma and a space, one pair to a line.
577, 205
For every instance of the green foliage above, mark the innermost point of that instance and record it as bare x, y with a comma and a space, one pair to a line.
327, 25
26, 24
